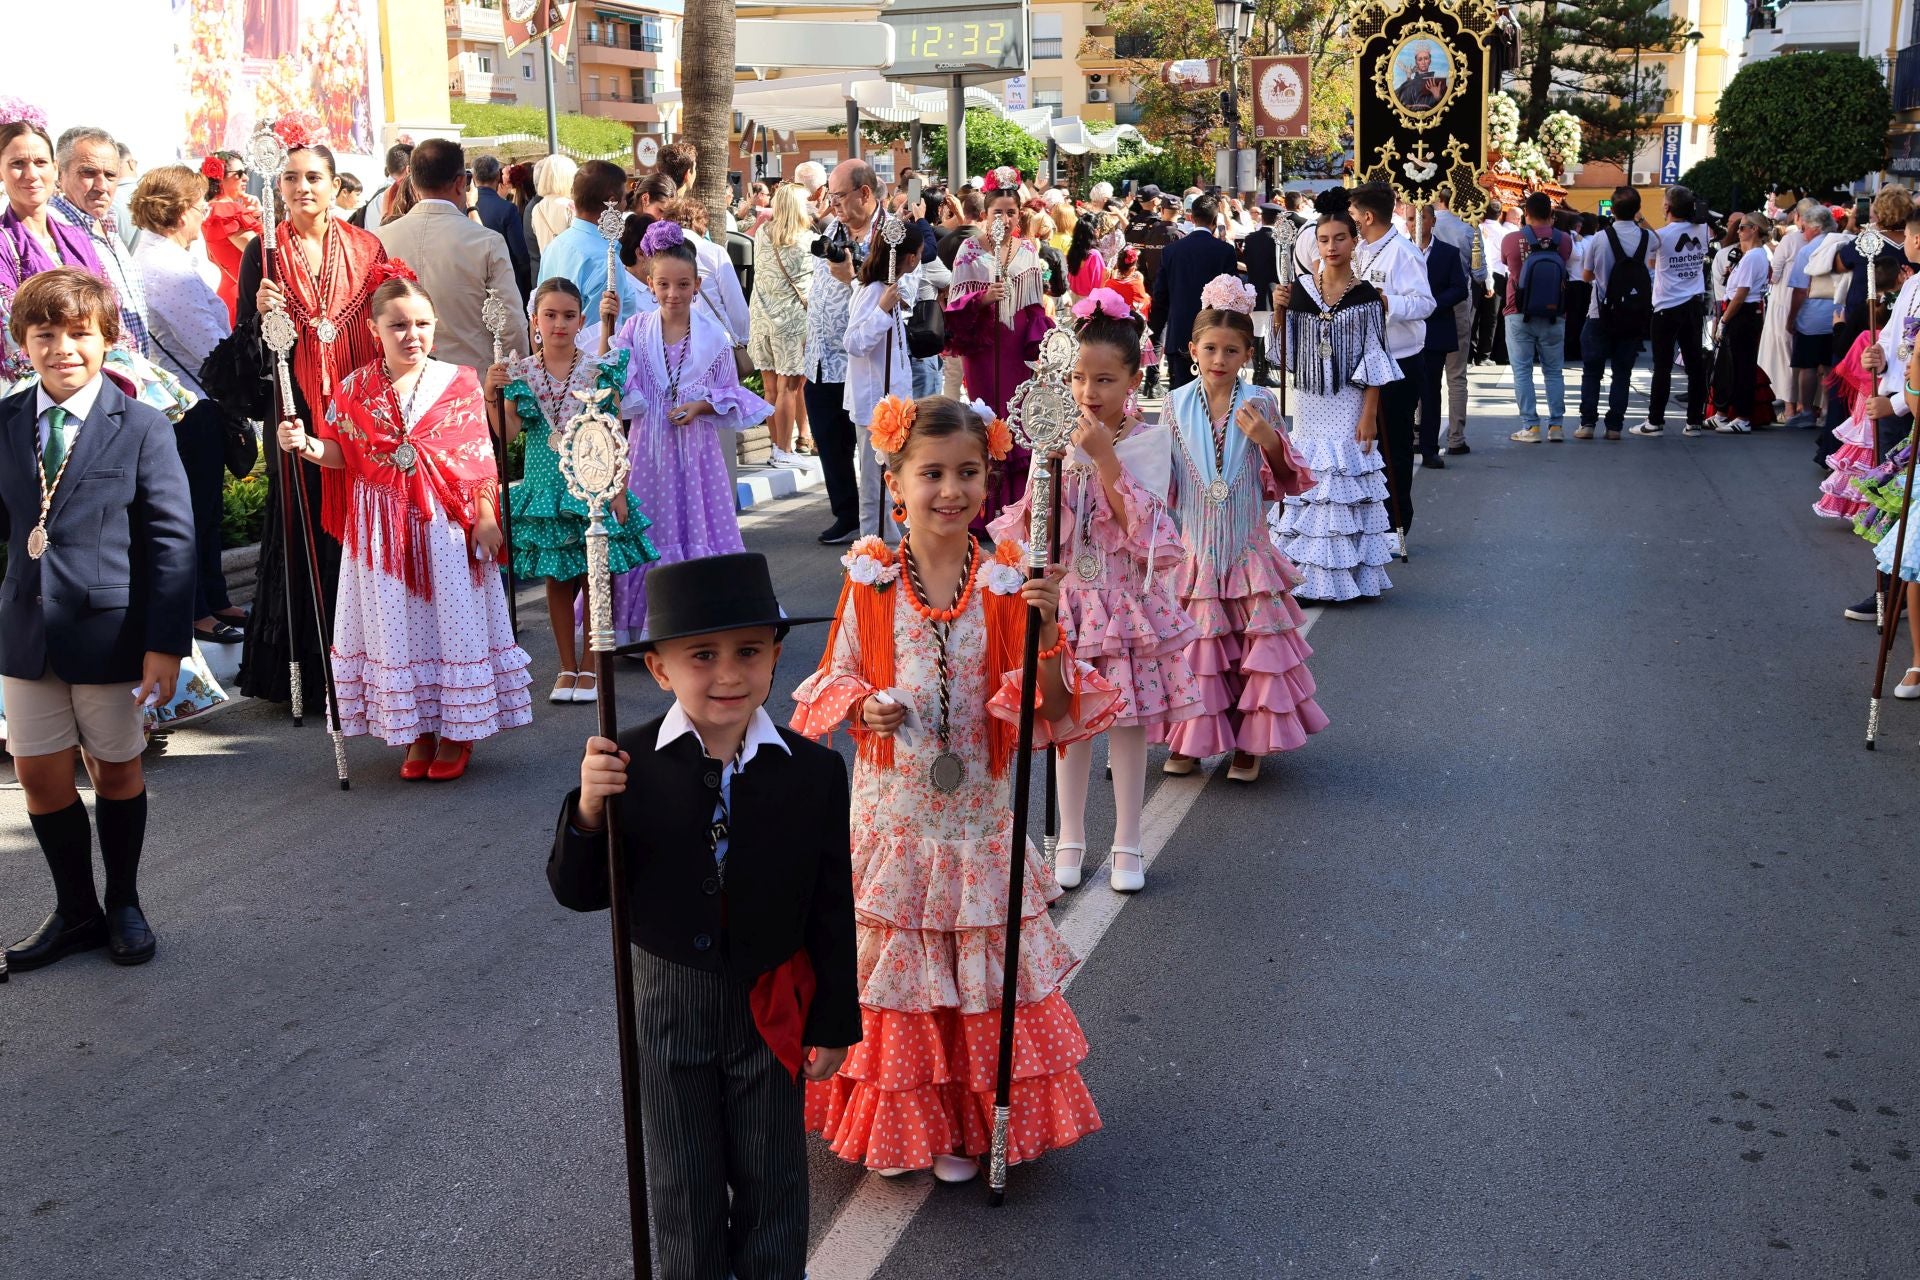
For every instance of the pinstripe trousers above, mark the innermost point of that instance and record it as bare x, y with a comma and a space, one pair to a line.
720, 1115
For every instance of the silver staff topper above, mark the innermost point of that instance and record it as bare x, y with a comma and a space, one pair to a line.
893, 233
1043, 414
612, 223
1869, 243
594, 463
494, 315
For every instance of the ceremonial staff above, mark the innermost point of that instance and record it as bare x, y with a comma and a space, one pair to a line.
1050, 842
1285, 235
892, 233
494, 314
1869, 243
997, 232
1895, 585
268, 155
594, 463
1043, 417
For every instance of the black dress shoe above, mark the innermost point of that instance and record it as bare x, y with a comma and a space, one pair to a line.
839, 533
1433, 462
221, 632
129, 940
55, 939
1458, 448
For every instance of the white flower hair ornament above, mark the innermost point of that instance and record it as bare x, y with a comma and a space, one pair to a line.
1006, 579
1227, 293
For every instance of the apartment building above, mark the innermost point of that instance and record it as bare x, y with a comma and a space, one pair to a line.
624, 54
1078, 66
479, 68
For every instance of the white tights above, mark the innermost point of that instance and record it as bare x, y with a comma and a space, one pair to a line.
1127, 753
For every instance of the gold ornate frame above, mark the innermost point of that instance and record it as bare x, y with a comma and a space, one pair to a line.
1428, 31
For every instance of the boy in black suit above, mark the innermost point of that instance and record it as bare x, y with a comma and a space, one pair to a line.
740, 877
96, 611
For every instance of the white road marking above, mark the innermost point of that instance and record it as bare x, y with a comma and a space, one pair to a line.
872, 1220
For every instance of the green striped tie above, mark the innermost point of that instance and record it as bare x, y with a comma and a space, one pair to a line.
56, 451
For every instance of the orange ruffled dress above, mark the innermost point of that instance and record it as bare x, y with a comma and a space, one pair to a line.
930, 888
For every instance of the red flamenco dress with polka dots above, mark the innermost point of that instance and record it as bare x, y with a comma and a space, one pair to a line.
930, 877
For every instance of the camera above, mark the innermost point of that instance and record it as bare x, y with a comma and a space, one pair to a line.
835, 245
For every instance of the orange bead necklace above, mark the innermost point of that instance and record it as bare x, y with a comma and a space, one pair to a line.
919, 604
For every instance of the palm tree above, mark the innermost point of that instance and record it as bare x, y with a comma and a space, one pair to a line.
706, 95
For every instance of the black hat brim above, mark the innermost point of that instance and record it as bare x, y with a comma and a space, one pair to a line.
647, 642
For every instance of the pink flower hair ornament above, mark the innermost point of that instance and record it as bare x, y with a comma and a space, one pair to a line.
1106, 302
1227, 293
660, 236
297, 130
1005, 178
19, 111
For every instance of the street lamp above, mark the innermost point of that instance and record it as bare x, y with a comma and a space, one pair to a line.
1233, 19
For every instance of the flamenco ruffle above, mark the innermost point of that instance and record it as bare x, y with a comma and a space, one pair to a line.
1348, 583
976, 331
462, 702
1160, 691
1839, 500
1104, 623
1096, 705
915, 970
1257, 691
1259, 570
823, 702
922, 1084
550, 535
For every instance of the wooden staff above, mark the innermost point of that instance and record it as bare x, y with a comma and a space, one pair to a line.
594, 464
1869, 243
268, 155
1044, 419
494, 314
1896, 586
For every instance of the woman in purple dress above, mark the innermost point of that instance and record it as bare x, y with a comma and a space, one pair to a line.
681, 393
996, 316
32, 240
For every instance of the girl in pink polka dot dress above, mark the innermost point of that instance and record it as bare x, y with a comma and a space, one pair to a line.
923, 667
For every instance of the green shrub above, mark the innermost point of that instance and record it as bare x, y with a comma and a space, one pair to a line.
243, 508
582, 135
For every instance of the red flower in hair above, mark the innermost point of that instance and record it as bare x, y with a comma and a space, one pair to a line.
392, 269
213, 168
297, 129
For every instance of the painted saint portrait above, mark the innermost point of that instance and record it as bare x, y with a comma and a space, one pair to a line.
1422, 73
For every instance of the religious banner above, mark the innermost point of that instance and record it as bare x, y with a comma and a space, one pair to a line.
1280, 90
1190, 75
1424, 75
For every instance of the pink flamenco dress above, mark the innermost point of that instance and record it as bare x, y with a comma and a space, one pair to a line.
1119, 604
1249, 655
1854, 459
930, 867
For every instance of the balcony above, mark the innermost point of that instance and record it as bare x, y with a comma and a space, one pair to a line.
1800, 26
1133, 46
620, 106
1906, 79
619, 55
469, 85
474, 22
1096, 54
1047, 48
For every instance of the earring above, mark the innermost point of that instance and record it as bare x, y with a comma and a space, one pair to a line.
539, 343
899, 513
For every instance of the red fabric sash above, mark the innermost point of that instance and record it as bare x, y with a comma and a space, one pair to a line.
780, 1000
454, 468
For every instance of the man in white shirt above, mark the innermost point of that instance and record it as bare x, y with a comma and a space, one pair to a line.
1610, 341
1489, 331
455, 257
1679, 253
1449, 229
1393, 265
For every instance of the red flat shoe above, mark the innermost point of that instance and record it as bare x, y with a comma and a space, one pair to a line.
412, 770
447, 771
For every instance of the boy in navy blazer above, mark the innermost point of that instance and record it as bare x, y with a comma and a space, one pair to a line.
96, 611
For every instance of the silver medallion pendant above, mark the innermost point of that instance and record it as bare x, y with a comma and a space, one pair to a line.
553, 440
1218, 492
325, 329
37, 542
1087, 565
1906, 351
946, 773
406, 456
1326, 351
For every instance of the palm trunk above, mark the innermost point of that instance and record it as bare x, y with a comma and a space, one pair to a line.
1540, 81
706, 86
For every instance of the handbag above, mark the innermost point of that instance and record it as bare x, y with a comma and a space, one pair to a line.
742, 362
926, 328
240, 447
238, 372
780, 260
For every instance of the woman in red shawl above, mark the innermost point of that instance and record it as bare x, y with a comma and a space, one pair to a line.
423, 648
323, 272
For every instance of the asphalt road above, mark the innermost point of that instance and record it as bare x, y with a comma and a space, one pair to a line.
1580, 944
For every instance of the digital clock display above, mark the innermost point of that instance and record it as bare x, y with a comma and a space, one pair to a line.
989, 39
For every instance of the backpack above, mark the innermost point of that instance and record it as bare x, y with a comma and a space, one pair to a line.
1543, 278
1627, 310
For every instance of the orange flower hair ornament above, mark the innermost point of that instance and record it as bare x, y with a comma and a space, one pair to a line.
999, 434
892, 423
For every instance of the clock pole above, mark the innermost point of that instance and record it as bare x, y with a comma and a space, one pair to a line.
956, 133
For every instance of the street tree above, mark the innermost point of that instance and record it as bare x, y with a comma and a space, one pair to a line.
706, 88
1816, 121
1590, 59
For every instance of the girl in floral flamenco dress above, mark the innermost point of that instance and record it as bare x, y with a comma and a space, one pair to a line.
1231, 459
922, 667
540, 394
1839, 500
1123, 553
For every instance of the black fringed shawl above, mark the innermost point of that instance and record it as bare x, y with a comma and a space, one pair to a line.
1359, 313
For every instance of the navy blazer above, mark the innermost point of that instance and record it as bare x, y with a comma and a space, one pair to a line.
116, 581
1186, 266
1447, 277
497, 213
1263, 265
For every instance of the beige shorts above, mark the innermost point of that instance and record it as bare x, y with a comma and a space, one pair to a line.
48, 715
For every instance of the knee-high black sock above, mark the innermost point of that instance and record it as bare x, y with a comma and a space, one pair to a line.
123, 830
66, 838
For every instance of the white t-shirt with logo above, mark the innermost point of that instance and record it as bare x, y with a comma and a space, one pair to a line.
1600, 258
1679, 252
1751, 273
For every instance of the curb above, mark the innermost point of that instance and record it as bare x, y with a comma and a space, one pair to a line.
759, 485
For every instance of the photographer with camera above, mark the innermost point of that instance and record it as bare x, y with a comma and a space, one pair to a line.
852, 201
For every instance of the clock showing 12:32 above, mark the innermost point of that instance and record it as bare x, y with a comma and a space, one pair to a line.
954, 41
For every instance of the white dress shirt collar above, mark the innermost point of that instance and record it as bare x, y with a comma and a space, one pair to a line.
78, 405
761, 732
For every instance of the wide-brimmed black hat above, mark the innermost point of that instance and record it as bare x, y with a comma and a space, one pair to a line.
710, 594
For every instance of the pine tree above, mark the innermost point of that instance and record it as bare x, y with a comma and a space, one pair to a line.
1589, 58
